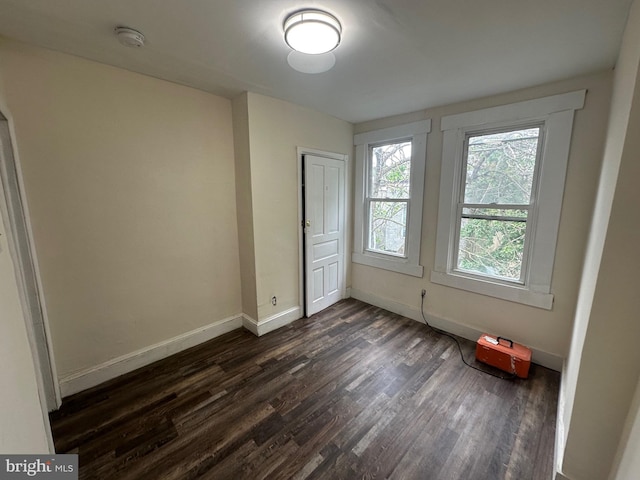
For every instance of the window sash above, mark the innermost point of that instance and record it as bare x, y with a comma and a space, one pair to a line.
369, 167
368, 242
474, 273
493, 206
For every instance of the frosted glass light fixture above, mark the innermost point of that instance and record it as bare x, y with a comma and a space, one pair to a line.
312, 31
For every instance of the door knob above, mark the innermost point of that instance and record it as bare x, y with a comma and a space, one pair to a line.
308, 223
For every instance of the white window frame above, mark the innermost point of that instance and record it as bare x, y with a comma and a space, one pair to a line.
409, 263
555, 114
530, 207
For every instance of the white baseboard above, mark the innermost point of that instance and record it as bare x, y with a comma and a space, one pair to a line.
250, 324
549, 360
93, 376
269, 324
90, 377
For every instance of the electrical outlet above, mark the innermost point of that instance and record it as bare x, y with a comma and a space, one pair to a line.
423, 293
274, 300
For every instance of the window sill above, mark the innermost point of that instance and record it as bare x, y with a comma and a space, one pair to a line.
492, 289
395, 265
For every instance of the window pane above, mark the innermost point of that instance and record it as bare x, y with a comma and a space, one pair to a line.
388, 227
390, 171
491, 247
500, 167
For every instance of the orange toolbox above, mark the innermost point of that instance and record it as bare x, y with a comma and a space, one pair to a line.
504, 354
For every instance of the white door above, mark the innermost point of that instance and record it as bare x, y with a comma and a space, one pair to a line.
324, 209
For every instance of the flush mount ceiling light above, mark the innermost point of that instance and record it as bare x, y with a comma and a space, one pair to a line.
129, 37
312, 31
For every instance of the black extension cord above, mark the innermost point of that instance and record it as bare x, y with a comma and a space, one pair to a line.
442, 332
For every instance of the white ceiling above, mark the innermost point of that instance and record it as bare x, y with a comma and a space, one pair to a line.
396, 56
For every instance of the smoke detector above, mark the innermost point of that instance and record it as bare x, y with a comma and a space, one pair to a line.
129, 37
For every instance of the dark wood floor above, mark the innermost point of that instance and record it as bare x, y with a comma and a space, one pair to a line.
353, 392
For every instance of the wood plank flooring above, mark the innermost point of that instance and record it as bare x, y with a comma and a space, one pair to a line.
354, 392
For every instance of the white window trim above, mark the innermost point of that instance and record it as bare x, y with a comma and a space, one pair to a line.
557, 113
410, 264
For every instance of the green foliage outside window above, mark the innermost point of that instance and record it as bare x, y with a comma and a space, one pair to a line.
500, 169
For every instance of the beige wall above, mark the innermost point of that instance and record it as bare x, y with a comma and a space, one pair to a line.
627, 461
604, 364
130, 183
276, 129
23, 419
546, 331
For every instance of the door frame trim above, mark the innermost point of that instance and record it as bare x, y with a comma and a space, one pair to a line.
301, 152
9, 159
